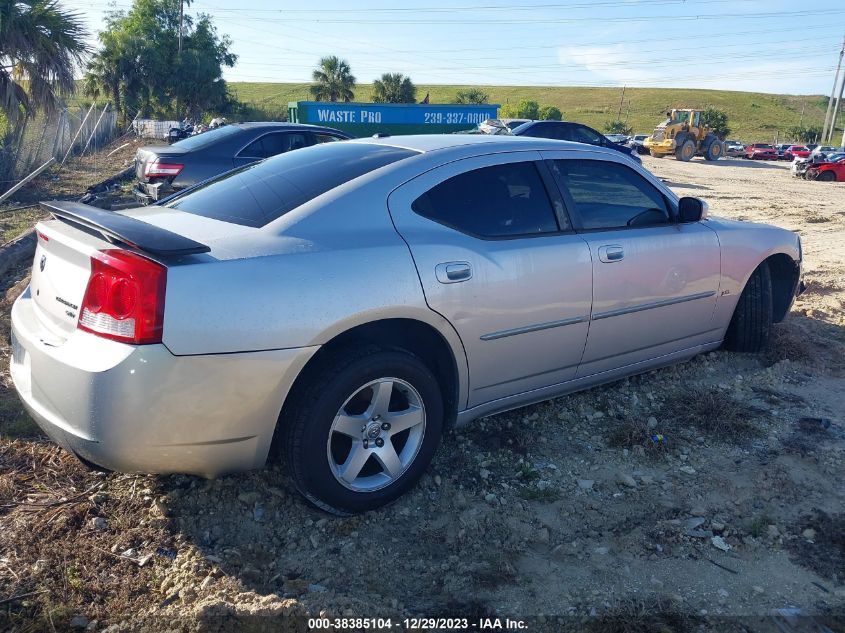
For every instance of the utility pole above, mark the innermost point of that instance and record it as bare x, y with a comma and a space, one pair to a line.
836, 109
182, 15
801, 120
179, 50
621, 101
833, 92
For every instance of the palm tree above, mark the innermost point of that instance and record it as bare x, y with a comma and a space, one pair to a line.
394, 88
40, 45
333, 80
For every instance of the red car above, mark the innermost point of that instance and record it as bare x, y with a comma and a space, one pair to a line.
762, 151
796, 151
827, 172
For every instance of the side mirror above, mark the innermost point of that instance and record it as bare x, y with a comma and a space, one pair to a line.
691, 210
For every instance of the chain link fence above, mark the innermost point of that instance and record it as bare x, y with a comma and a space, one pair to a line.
71, 131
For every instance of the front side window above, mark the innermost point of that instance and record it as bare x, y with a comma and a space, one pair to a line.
498, 201
608, 195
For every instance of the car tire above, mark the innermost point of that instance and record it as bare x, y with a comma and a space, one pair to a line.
685, 151
317, 445
715, 150
826, 176
751, 323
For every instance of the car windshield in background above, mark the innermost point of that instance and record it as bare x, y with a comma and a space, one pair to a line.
207, 138
262, 192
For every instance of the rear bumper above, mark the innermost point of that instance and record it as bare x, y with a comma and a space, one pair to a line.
148, 192
142, 409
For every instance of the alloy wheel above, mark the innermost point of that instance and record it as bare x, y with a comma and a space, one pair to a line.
376, 434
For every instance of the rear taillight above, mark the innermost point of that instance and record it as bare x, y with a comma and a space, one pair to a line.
124, 300
158, 170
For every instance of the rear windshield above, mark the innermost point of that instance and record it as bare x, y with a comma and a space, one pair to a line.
262, 192
207, 138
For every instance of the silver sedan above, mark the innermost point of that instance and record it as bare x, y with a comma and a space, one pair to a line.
344, 305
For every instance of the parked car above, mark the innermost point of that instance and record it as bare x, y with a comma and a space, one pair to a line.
161, 169
762, 151
569, 131
823, 150
800, 165
512, 123
345, 304
796, 151
734, 148
832, 170
619, 139
636, 143
781, 150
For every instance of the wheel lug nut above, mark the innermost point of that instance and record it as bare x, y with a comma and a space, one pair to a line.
379, 442
385, 426
366, 443
376, 418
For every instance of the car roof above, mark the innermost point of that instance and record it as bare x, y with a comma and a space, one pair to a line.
491, 143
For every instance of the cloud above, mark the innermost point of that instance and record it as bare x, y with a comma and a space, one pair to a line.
622, 64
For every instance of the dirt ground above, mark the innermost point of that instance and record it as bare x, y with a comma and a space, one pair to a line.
566, 514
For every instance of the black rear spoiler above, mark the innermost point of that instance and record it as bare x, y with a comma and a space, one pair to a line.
114, 226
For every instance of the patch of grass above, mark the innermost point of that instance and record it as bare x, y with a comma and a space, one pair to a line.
13, 222
642, 616
78, 571
825, 554
711, 412
752, 115
786, 344
758, 525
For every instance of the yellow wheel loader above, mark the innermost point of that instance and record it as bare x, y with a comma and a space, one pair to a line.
683, 135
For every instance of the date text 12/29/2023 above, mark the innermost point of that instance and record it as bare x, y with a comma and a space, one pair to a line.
415, 624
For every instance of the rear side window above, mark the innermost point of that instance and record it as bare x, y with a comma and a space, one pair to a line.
498, 201
581, 134
609, 195
262, 192
208, 138
275, 143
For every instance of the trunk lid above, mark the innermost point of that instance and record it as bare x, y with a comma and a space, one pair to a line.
150, 154
60, 273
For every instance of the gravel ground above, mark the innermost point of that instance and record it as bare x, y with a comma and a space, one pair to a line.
566, 508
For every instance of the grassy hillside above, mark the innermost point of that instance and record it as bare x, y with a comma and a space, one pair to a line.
753, 116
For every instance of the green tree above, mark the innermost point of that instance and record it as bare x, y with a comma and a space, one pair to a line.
40, 45
524, 110
550, 113
805, 133
717, 121
139, 66
473, 95
618, 127
333, 80
394, 88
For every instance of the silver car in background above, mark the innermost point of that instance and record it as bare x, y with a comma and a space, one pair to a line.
344, 305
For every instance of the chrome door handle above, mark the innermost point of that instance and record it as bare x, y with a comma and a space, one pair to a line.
611, 253
453, 272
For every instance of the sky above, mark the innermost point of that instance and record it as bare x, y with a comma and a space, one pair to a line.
778, 46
